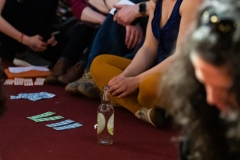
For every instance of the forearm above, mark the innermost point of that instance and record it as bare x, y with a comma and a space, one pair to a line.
143, 60
9, 30
130, 14
146, 55
90, 15
159, 68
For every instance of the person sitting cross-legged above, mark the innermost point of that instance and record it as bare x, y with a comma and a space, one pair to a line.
133, 84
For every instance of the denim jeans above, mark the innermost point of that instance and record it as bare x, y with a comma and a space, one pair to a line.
110, 39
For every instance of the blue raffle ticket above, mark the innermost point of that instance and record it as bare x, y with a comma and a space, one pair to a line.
65, 122
33, 96
70, 126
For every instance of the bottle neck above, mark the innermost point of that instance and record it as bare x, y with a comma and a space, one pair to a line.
106, 96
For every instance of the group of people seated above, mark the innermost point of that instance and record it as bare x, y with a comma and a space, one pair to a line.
165, 57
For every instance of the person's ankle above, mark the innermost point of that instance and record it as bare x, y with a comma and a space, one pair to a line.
158, 116
66, 60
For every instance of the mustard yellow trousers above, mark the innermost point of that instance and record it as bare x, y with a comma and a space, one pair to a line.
105, 67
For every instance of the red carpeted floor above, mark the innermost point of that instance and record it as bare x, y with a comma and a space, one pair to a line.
24, 139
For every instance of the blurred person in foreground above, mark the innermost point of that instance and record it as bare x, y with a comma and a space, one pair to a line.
203, 85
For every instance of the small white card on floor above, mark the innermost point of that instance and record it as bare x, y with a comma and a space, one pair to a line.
9, 82
28, 82
18, 81
39, 81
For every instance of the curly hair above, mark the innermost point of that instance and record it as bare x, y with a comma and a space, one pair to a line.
216, 39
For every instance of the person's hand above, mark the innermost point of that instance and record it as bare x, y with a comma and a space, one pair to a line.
121, 86
52, 41
134, 35
35, 43
126, 14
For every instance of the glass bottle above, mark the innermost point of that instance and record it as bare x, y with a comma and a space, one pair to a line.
105, 119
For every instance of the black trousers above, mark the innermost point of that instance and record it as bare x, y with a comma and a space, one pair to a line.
81, 38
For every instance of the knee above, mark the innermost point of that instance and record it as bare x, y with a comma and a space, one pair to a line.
101, 61
97, 62
148, 90
98, 66
98, 59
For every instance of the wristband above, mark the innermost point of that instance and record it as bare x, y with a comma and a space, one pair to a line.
21, 38
142, 9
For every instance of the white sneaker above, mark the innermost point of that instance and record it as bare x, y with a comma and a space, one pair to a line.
29, 58
144, 115
154, 116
